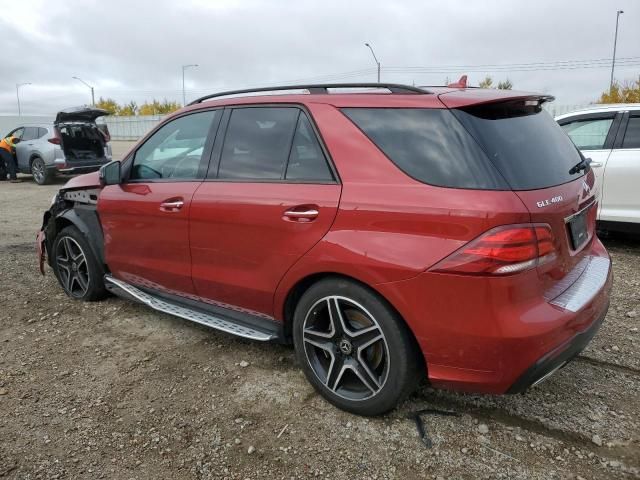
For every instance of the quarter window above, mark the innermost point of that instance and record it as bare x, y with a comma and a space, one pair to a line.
306, 160
175, 150
632, 135
589, 134
258, 143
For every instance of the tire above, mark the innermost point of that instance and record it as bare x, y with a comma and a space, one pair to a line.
344, 362
41, 175
76, 267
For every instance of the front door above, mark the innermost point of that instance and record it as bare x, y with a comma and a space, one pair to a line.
270, 196
621, 200
593, 134
145, 219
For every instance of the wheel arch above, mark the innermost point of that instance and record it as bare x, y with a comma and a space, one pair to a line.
85, 220
303, 284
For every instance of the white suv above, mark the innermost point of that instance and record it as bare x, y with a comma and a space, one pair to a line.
610, 136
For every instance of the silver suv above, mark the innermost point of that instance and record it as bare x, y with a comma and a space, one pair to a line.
73, 143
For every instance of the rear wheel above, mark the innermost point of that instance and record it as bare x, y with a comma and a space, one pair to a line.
40, 173
76, 267
353, 347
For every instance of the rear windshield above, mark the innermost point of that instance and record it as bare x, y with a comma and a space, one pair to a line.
527, 146
429, 145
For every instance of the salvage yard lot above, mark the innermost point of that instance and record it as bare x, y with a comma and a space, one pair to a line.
115, 390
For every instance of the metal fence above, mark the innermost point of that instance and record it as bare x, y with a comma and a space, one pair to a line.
131, 128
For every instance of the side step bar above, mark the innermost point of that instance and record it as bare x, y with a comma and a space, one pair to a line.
127, 290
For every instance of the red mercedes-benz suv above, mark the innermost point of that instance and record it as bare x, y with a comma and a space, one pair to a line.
389, 232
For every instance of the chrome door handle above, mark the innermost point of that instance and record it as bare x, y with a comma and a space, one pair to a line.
595, 164
172, 206
302, 214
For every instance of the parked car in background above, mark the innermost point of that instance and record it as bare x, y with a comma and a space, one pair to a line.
388, 234
73, 143
610, 136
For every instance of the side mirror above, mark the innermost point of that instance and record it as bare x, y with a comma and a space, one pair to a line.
110, 173
16, 141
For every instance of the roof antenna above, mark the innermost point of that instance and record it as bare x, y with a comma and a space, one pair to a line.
462, 83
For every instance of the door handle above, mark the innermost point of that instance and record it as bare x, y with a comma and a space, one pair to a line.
172, 205
595, 164
302, 215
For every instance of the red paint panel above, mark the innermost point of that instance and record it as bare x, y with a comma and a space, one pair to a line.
145, 244
242, 243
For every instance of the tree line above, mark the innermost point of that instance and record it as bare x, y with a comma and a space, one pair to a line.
130, 109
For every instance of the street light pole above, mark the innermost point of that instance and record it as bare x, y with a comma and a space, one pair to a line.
375, 58
18, 85
93, 99
184, 95
615, 41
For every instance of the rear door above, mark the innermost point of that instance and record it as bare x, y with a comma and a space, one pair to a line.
146, 218
621, 200
270, 196
593, 134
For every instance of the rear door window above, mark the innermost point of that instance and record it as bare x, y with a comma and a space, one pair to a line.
429, 145
258, 143
30, 133
527, 146
632, 135
588, 134
41, 132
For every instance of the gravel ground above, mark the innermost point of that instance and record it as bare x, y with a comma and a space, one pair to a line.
114, 390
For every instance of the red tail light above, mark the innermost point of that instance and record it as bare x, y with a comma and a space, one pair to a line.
57, 138
502, 251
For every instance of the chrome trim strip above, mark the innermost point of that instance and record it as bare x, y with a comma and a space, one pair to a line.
582, 284
190, 314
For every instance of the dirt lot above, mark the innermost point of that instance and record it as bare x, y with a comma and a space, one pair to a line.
114, 390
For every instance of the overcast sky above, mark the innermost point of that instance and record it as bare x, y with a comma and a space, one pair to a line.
133, 50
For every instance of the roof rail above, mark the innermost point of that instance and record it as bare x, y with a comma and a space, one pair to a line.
317, 89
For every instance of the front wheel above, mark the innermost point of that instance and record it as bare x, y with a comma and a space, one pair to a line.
77, 269
354, 348
41, 175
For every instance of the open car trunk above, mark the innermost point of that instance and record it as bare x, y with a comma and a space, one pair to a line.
81, 139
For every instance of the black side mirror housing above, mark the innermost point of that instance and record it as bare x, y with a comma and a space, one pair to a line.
16, 140
110, 174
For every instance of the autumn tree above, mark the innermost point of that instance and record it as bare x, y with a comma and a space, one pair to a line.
128, 110
158, 108
108, 104
627, 92
487, 82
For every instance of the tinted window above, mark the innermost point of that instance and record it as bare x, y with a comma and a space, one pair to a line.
257, 143
175, 150
430, 145
306, 160
526, 145
632, 135
41, 132
588, 134
30, 133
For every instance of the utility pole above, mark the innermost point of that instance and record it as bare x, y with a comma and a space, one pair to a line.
18, 85
615, 41
184, 95
93, 99
375, 58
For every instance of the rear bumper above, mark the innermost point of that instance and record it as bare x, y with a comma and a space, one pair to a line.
500, 335
557, 358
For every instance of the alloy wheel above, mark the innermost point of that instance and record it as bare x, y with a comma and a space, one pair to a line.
72, 267
37, 169
346, 348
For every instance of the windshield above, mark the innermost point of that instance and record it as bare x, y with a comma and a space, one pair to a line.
526, 145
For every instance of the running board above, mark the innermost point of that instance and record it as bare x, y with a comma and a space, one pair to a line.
127, 290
